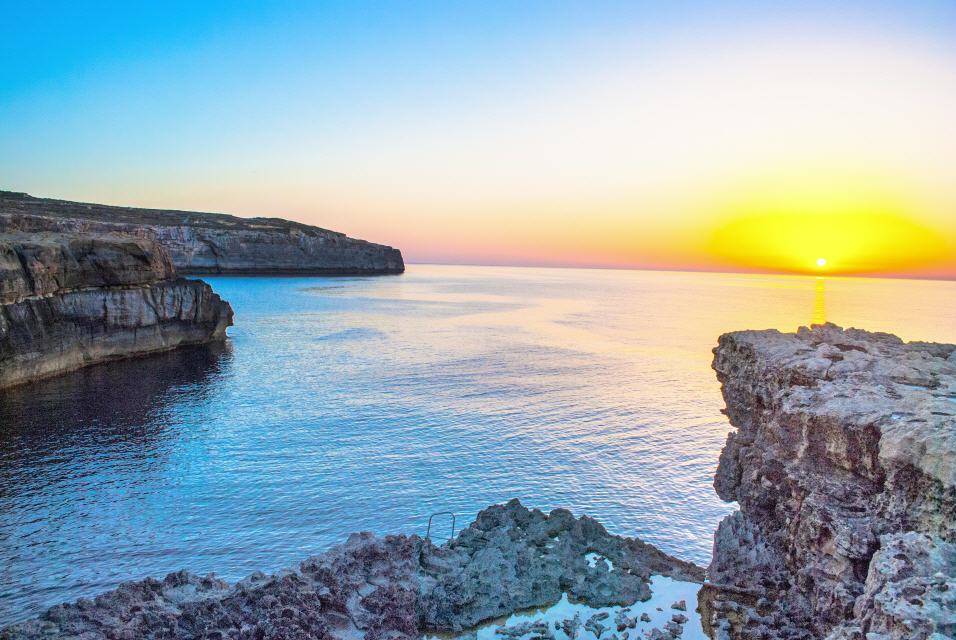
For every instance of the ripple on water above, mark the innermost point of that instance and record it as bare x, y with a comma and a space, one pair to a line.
369, 403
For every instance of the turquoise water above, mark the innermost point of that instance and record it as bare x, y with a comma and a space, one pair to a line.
369, 403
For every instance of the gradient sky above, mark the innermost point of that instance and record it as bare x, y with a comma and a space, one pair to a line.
744, 136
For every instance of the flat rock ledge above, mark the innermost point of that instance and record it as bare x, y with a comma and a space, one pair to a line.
72, 300
394, 587
844, 468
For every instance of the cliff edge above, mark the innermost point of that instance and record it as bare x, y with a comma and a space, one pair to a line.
844, 468
71, 300
209, 243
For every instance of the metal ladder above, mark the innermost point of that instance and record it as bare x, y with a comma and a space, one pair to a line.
440, 513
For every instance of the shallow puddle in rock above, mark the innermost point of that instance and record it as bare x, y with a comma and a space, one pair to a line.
664, 593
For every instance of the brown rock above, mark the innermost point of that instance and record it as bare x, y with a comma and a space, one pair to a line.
845, 440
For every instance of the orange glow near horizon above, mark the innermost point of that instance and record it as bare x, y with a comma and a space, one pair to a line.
758, 149
854, 243
840, 225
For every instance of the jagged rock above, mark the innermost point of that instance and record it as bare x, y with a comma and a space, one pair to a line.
910, 591
845, 441
594, 626
679, 618
67, 301
622, 621
538, 627
383, 588
680, 605
513, 558
673, 628
645, 617
208, 243
570, 626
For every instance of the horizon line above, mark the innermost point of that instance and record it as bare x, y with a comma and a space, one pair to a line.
687, 270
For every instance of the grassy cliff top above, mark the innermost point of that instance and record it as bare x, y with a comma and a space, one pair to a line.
12, 202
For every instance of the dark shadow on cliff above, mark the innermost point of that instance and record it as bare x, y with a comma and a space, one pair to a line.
121, 404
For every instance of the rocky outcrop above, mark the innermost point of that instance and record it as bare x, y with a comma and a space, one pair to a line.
844, 468
209, 243
67, 301
510, 558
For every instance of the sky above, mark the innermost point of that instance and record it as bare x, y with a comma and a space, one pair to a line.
732, 136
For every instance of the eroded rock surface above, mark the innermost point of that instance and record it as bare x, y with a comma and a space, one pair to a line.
510, 558
910, 591
844, 467
70, 300
208, 243
42, 264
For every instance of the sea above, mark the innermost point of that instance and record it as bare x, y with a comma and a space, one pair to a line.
372, 403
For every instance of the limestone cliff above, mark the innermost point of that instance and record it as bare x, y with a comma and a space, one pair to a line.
844, 468
67, 301
209, 243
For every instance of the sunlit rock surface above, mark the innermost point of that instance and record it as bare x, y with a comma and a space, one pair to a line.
508, 560
71, 300
209, 243
844, 468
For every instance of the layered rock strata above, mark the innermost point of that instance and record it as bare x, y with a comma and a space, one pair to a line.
509, 559
844, 468
209, 243
67, 301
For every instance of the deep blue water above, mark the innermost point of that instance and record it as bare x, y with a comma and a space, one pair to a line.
368, 403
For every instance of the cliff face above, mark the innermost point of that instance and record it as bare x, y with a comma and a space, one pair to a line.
209, 243
844, 468
391, 588
67, 301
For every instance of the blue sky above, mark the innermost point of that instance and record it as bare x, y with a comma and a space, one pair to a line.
308, 110
155, 81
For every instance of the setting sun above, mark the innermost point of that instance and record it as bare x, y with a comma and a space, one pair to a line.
800, 221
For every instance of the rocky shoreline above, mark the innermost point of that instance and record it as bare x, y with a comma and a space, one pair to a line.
72, 300
509, 559
208, 243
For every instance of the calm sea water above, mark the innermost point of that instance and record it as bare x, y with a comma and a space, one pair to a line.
368, 403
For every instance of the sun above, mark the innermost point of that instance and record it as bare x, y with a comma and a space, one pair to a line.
812, 222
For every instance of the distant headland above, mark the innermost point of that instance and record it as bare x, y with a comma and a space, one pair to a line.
209, 243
